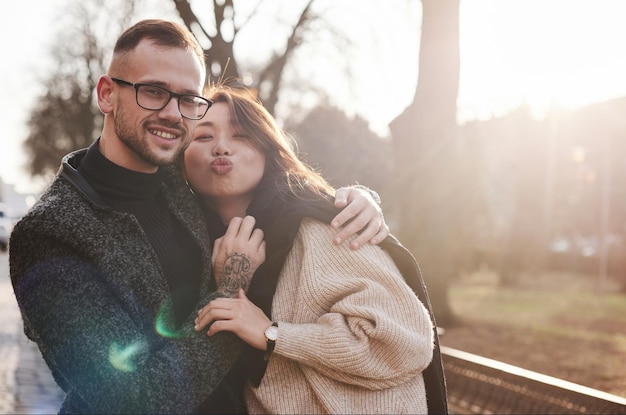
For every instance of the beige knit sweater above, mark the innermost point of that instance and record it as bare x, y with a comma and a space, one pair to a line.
353, 338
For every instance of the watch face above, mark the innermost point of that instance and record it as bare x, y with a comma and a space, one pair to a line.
271, 333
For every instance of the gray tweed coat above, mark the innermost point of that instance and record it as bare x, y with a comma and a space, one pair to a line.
94, 299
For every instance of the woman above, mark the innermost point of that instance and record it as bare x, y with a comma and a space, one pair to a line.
346, 334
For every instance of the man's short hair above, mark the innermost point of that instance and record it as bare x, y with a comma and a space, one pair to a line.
162, 33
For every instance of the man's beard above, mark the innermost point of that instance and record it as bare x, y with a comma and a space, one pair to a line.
136, 141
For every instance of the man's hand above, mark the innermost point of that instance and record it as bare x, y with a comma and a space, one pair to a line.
237, 255
361, 213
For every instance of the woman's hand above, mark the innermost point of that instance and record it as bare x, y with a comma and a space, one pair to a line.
237, 255
238, 315
361, 213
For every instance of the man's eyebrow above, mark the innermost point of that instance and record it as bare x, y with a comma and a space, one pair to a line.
165, 86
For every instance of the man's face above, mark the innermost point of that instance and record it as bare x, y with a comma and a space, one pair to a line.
148, 139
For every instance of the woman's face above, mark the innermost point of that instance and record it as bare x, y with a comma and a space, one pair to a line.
221, 163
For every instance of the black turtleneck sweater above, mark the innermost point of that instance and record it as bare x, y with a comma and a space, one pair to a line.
139, 194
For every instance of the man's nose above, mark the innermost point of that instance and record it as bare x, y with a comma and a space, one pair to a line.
171, 111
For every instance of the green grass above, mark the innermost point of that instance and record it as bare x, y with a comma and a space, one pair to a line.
549, 299
554, 323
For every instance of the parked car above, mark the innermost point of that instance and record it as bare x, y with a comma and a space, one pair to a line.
6, 226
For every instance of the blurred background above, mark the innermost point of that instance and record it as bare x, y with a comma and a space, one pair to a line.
494, 131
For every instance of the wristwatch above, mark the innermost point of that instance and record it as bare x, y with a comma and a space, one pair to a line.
271, 334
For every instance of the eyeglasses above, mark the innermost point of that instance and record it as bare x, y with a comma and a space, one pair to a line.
154, 98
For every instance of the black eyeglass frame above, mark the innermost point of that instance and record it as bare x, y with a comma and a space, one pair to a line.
138, 85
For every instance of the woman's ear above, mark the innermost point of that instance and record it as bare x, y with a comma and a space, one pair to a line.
104, 91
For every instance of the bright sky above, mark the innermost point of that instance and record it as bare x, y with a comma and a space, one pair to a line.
21, 47
544, 53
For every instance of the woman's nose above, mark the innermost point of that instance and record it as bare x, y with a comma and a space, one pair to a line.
221, 148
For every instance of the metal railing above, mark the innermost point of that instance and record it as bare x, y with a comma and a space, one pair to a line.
477, 385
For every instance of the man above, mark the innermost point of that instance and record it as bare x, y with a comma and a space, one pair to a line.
111, 264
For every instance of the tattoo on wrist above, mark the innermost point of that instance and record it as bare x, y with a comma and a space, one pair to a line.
236, 274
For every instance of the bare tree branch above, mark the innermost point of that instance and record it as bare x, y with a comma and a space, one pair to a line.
272, 74
219, 57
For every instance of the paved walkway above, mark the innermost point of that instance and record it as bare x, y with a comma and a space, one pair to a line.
26, 386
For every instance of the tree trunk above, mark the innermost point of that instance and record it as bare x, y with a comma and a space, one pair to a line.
426, 153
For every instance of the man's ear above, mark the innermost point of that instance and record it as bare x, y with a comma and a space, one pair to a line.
104, 89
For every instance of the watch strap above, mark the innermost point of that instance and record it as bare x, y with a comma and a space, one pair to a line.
270, 343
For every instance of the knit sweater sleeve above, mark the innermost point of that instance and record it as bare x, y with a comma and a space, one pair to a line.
349, 314
107, 352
